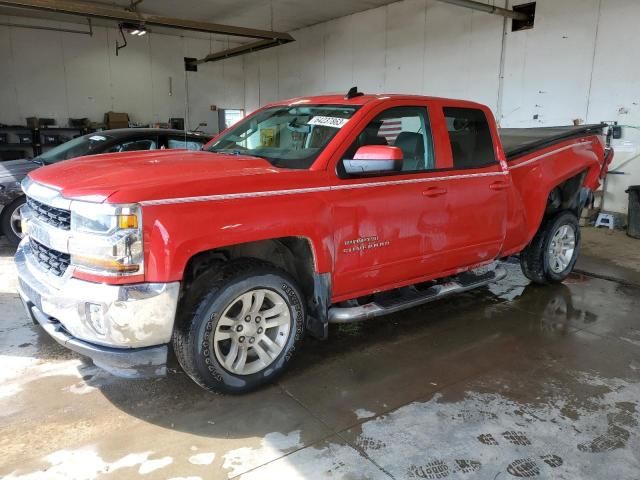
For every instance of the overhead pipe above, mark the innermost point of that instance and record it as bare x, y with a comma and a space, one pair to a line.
262, 38
52, 29
483, 7
240, 50
116, 14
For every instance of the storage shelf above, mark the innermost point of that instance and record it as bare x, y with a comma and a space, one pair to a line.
37, 145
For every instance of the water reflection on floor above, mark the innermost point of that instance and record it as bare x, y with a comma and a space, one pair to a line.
510, 381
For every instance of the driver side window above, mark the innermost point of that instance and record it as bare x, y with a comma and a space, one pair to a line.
404, 127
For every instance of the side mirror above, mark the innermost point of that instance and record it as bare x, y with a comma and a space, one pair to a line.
371, 159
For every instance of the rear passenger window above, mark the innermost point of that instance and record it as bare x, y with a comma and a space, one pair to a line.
470, 136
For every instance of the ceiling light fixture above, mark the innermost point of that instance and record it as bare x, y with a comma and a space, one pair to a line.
137, 29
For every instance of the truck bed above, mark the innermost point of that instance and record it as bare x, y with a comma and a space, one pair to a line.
521, 141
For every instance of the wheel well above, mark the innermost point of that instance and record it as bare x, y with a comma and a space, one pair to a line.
568, 195
291, 254
294, 255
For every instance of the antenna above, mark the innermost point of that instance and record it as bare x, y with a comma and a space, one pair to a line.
352, 93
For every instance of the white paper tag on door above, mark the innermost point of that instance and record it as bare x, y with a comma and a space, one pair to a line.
335, 122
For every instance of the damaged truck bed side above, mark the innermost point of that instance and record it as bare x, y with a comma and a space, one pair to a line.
309, 211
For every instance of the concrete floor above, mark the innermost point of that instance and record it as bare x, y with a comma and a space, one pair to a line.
610, 254
510, 381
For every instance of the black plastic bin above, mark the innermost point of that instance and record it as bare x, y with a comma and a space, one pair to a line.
633, 227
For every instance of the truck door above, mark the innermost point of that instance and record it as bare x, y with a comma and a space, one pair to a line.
384, 222
478, 189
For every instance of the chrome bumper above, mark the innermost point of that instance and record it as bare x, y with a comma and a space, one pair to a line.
128, 363
123, 328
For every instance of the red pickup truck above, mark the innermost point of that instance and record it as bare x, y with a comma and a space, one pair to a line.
310, 211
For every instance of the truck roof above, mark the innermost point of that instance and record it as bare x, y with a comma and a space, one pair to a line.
340, 99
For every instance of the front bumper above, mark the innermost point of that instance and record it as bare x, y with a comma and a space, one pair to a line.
124, 329
128, 363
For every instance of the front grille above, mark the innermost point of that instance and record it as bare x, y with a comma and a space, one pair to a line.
57, 217
52, 260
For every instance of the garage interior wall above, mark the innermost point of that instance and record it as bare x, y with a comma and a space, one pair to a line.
60, 75
577, 63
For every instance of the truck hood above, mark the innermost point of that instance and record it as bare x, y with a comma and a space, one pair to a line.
151, 175
15, 170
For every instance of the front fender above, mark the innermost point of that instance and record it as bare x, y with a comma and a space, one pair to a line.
174, 233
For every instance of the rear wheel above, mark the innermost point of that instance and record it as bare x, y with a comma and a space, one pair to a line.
11, 221
552, 254
244, 327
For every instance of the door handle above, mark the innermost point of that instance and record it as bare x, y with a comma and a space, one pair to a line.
499, 186
434, 192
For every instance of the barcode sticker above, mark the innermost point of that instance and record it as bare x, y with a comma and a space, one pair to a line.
335, 122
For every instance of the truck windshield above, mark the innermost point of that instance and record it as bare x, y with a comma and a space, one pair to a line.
287, 137
77, 147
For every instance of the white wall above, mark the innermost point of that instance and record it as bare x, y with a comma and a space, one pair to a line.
413, 46
61, 75
577, 63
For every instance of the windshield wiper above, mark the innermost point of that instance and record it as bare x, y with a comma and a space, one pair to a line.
236, 153
224, 151
37, 161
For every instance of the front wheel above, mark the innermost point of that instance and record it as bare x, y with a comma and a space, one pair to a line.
11, 221
244, 328
552, 254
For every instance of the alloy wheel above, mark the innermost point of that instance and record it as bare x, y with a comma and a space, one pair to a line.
561, 248
15, 221
252, 331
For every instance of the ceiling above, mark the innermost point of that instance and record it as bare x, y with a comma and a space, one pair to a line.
287, 15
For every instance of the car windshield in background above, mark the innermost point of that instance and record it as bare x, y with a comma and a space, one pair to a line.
287, 137
77, 147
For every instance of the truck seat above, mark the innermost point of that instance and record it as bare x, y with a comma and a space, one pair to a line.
412, 146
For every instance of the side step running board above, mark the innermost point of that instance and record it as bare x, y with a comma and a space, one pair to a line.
412, 298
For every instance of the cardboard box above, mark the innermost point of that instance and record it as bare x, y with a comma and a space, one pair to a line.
116, 120
79, 122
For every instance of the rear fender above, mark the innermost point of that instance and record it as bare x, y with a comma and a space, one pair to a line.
570, 194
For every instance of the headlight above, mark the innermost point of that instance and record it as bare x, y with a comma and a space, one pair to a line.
106, 239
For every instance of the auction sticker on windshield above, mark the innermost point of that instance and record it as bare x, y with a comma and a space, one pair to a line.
335, 122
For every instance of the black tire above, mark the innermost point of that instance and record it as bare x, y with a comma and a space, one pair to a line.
535, 260
206, 301
5, 221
